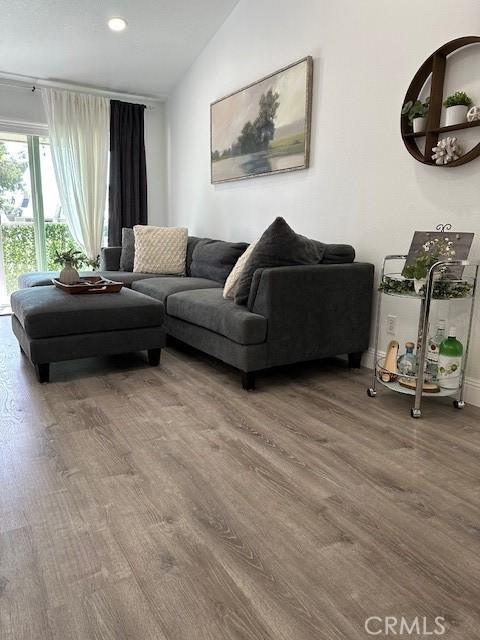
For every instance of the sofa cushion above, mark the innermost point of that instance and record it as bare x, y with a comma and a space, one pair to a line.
208, 308
46, 312
191, 244
338, 254
162, 287
127, 277
127, 257
110, 258
278, 246
214, 259
43, 278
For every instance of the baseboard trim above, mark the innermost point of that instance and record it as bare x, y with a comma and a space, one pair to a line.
472, 385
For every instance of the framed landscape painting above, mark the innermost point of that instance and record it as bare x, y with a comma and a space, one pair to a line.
263, 128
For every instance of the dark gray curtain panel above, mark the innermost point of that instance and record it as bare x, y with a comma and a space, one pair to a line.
128, 176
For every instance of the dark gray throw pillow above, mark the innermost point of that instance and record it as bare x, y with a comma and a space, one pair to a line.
127, 256
214, 259
279, 246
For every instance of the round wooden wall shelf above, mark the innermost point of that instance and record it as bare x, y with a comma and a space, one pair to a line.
436, 65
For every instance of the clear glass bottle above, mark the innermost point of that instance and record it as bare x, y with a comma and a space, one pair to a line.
450, 361
407, 363
434, 343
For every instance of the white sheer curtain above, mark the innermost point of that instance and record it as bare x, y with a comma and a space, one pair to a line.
79, 130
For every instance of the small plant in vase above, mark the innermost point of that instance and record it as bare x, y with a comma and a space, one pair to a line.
69, 260
457, 106
416, 113
436, 250
93, 263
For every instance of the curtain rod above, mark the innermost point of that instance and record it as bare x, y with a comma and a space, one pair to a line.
21, 82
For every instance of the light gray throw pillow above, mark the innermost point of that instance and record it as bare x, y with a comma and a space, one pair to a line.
127, 257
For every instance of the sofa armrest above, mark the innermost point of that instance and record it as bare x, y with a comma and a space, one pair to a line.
315, 311
110, 258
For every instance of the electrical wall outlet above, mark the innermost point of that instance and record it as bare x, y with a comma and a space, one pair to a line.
392, 324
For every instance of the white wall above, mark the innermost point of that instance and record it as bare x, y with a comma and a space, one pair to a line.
156, 159
363, 187
19, 104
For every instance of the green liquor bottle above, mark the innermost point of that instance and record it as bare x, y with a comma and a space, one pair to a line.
450, 361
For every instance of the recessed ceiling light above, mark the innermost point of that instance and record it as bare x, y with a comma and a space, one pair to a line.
117, 24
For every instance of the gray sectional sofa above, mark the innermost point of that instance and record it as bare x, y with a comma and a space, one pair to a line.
294, 313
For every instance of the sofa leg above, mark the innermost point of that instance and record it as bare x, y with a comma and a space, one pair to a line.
154, 357
355, 359
248, 380
43, 372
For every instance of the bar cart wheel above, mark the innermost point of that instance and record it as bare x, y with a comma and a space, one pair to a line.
416, 413
458, 404
371, 393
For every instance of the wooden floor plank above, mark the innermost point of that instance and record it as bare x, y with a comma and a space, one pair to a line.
169, 504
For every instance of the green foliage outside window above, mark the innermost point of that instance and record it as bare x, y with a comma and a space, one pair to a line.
19, 248
12, 169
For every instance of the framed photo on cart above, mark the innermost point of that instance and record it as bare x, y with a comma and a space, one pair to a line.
263, 128
448, 244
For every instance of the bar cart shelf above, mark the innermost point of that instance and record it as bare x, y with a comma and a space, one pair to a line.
456, 290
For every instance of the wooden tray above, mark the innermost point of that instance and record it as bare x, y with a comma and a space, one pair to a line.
90, 284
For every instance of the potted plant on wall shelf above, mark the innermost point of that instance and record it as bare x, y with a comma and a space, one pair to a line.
416, 113
457, 106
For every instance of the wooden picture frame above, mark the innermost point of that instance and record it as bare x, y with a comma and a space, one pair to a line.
254, 132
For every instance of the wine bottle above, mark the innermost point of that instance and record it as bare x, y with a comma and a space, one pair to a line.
433, 352
450, 361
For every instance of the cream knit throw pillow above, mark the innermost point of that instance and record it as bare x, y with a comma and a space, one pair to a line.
236, 272
160, 249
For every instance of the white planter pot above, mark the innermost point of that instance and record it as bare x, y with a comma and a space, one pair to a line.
456, 115
68, 275
419, 124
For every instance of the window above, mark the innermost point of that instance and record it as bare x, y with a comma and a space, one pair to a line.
32, 225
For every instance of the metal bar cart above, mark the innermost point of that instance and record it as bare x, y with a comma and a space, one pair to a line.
425, 296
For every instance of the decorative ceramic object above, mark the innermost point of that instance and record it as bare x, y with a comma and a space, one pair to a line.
456, 115
473, 114
419, 124
389, 372
447, 150
69, 275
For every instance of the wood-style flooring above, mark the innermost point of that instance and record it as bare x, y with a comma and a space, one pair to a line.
169, 504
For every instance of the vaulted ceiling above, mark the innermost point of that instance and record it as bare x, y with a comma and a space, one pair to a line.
69, 40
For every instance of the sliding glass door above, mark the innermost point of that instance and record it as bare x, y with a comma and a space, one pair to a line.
32, 226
